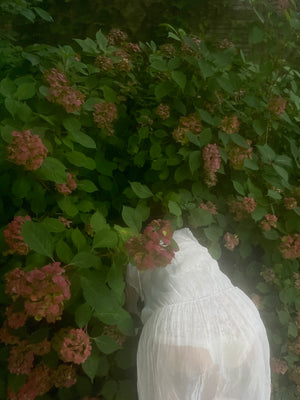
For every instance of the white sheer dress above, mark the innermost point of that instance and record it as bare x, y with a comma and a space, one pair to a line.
203, 338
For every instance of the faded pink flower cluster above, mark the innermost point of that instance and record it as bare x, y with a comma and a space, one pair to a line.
124, 60
237, 155
212, 162
163, 111
277, 105
290, 246
42, 290
231, 241
105, 63
104, 115
278, 366
67, 188
72, 345
13, 237
26, 149
65, 375
230, 125
225, 44
21, 357
116, 37
209, 206
39, 382
290, 203
269, 221
114, 333
241, 208
65, 221
268, 275
190, 123
61, 91
153, 248
167, 50
297, 280
133, 48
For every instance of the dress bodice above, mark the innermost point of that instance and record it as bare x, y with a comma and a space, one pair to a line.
192, 274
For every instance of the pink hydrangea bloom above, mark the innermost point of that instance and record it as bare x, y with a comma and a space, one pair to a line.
163, 111
290, 246
240, 209
231, 241
230, 125
43, 290
153, 248
279, 366
105, 115
212, 162
27, 150
237, 155
209, 206
290, 203
277, 105
13, 237
61, 91
73, 345
269, 221
190, 123
6, 336
67, 188
15, 320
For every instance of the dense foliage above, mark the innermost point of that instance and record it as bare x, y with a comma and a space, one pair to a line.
99, 138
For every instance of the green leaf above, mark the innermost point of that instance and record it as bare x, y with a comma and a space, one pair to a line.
106, 344
78, 239
292, 330
83, 139
206, 117
132, 218
180, 78
63, 251
109, 94
26, 91
87, 186
273, 194
81, 160
259, 127
98, 221
226, 85
256, 35
91, 365
174, 208
66, 204
105, 238
88, 46
205, 68
205, 137
43, 14
53, 225
267, 153
250, 164
142, 191
85, 259
52, 170
239, 140
213, 233
162, 89
194, 161
215, 251
200, 217
21, 187
37, 237
239, 187
281, 172
158, 63
101, 40
271, 235
258, 213
82, 315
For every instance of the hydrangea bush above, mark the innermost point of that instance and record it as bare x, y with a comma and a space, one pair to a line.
99, 138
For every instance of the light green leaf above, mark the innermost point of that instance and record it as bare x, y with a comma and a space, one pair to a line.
87, 186
101, 40
132, 218
52, 170
239, 140
80, 160
26, 91
98, 221
281, 172
78, 239
250, 164
86, 259
105, 238
37, 237
200, 217
213, 233
66, 204
142, 191
43, 14
53, 225
174, 208
215, 251
239, 187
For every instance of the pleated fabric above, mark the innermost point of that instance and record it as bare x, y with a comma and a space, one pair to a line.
203, 338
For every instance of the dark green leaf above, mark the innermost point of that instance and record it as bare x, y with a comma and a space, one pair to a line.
52, 170
87, 186
91, 365
132, 218
106, 344
21, 187
239, 140
63, 251
142, 191
43, 14
194, 161
213, 233
26, 91
53, 225
66, 204
180, 78
256, 35
82, 315
37, 237
281, 172
239, 187
78, 239
80, 160
101, 40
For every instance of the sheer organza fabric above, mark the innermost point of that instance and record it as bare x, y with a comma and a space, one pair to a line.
203, 338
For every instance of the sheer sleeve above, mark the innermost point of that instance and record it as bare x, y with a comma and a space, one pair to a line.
133, 279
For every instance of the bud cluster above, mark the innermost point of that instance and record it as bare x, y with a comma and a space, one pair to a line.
241, 208
190, 123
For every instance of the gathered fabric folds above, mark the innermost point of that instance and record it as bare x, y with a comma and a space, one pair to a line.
203, 338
